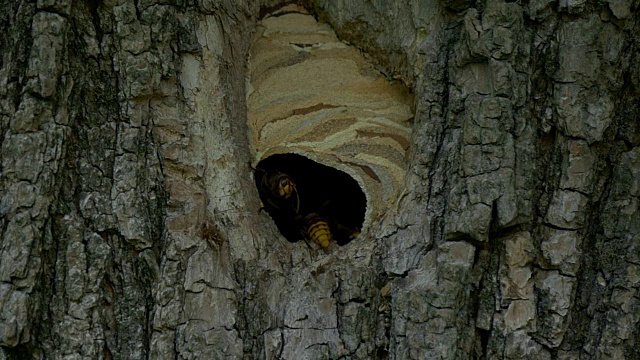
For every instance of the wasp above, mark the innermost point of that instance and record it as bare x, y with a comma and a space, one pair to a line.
277, 190
317, 229
344, 233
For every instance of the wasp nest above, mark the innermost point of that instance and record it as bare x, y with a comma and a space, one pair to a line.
311, 94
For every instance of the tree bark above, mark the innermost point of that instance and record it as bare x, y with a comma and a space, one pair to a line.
129, 217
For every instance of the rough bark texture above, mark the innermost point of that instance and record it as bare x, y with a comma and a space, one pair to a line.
129, 216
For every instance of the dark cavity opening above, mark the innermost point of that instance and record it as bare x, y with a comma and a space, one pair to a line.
321, 192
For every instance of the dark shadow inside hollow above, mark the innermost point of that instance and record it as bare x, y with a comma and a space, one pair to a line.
329, 193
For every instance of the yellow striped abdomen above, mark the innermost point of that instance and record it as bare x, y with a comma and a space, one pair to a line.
319, 232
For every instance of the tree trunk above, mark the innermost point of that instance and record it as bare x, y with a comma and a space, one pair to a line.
129, 216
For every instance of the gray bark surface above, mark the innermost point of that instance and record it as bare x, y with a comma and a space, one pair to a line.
129, 217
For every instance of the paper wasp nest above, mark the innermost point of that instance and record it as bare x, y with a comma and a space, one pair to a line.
313, 95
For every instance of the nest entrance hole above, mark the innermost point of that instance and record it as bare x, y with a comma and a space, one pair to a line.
328, 192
